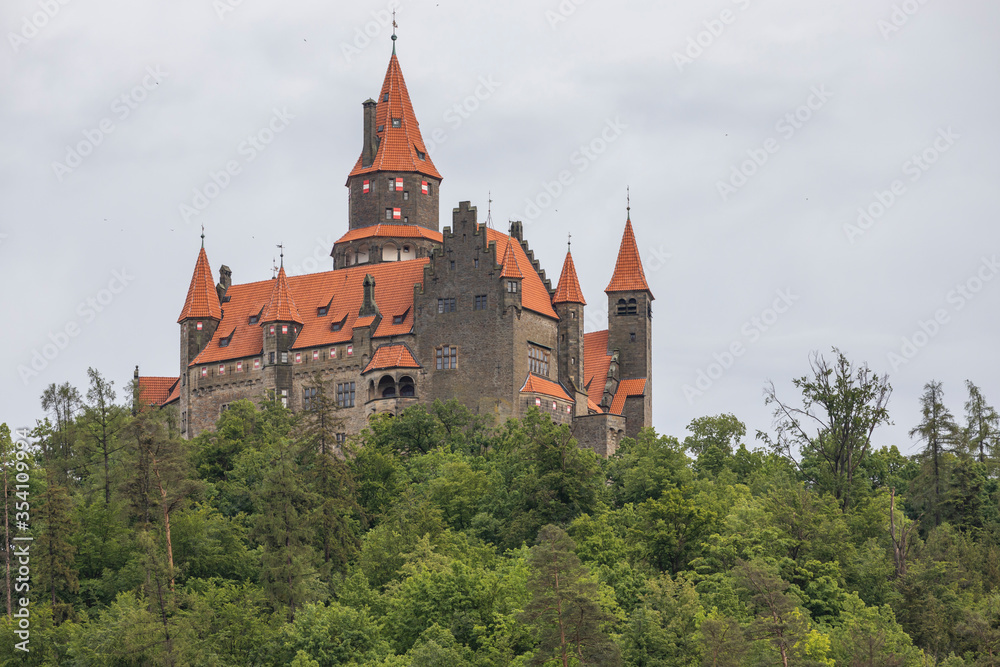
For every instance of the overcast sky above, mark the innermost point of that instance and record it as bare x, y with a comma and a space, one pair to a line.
752, 134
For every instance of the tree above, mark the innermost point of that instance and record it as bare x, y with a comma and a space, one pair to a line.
563, 606
844, 404
982, 429
940, 434
102, 420
62, 402
55, 551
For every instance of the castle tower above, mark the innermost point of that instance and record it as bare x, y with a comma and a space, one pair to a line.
198, 319
511, 277
569, 303
281, 322
630, 335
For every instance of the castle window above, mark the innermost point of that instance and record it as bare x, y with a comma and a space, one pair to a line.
406, 218
387, 387
388, 214
538, 360
298, 357
397, 214
366, 186
239, 366
198, 326
284, 357
572, 315
222, 369
256, 364
480, 302
397, 122
350, 350
315, 355
452, 265
420, 155
270, 358
554, 406
224, 342
392, 183
333, 353
572, 361
622, 306
428, 188
284, 328
512, 286
223, 408
254, 319
397, 319
345, 394
538, 402
406, 386
204, 371
447, 357
446, 305
631, 336
475, 263
399, 185
270, 330
380, 128
424, 188
385, 98
337, 326
323, 310
406, 195
631, 307
569, 410
341, 438
308, 396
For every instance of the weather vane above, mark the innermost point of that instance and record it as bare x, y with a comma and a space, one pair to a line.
281, 251
628, 203
394, 26
203, 236
569, 241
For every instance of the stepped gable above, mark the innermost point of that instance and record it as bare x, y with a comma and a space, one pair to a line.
534, 295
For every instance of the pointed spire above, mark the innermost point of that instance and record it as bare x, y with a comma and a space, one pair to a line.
394, 26
202, 300
281, 307
628, 275
509, 262
400, 144
568, 290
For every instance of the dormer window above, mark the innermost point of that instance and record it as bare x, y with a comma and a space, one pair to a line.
397, 319
224, 342
397, 122
322, 311
380, 128
421, 156
385, 98
254, 319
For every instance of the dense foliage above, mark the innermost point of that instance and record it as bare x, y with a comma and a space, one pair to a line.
439, 538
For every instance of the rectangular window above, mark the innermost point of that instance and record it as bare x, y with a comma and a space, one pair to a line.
333, 353
204, 371
366, 186
397, 319
284, 328
350, 350
538, 402
397, 214
198, 326
270, 358
399, 185
397, 122
392, 184
345, 394
446, 305
406, 195
298, 357
239, 366
480, 303
538, 360
315, 355
447, 358
341, 438
512, 286
271, 330
388, 214
284, 357
553, 406
256, 364
475, 263
452, 265
322, 311
308, 396
423, 187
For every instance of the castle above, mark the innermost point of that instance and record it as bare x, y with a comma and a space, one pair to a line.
410, 314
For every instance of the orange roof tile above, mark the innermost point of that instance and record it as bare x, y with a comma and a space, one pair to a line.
596, 361
395, 231
155, 390
568, 290
593, 406
626, 388
342, 289
175, 394
281, 306
534, 296
534, 384
397, 150
509, 263
396, 355
628, 275
365, 321
202, 300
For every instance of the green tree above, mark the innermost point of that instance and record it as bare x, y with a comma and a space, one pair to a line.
564, 607
55, 552
62, 403
940, 434
842, 405
101, 421
982, 427
713, 441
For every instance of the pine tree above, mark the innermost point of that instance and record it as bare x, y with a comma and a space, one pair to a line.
102, 420
941, 434
563, 606
982, 430
52, 544
62, 402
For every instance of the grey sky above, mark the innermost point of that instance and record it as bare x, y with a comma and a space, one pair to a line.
683, 93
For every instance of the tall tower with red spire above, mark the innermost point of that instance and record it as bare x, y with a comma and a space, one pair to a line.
569, 303
281, 322
630, 332
199, 319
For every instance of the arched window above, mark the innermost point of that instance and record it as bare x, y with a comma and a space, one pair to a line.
371, 390
631, 307
406, 386
390, 253
362, 257
387, 387
622, 306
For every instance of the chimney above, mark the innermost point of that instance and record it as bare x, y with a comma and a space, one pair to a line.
517, 230
368, 306
371, 141
225, 282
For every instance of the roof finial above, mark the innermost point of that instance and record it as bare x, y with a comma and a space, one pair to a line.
274, 267
281, 250
394, 32
628, 204
489, 209
569, 241
203, 237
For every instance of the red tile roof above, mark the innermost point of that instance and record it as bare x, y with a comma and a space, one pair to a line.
281, 306
628, 275
156, 390
202, 300
395, 231
398, 148
593, 406
341, 289
365, 321
596, 361
509, 262
534, 384
568, 290
175, 394
626, 388
534, 296
391, 356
